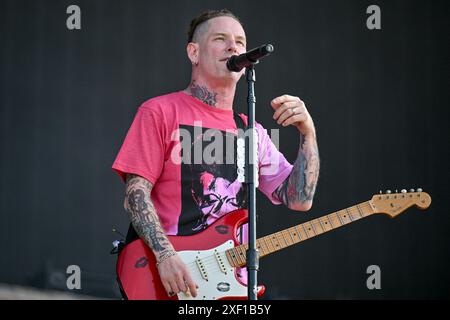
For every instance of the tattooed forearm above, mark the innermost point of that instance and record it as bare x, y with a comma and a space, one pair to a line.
144, 217
203, 94
297, 191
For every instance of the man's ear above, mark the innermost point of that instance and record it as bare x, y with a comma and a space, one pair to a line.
192, 52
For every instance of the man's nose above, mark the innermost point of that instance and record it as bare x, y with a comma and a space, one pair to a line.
232, 47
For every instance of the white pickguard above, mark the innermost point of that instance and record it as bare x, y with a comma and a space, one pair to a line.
219, 283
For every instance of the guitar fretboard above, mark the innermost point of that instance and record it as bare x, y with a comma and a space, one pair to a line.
293, 235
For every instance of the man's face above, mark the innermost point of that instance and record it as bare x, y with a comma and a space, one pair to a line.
224, 37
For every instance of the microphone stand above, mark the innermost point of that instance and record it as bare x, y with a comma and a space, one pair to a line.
250, 179
248, 60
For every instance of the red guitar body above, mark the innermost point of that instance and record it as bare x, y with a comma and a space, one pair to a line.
139, 277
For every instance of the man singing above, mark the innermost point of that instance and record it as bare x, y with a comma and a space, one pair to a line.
166, 196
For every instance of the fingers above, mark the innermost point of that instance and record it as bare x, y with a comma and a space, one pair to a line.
291, 115
173, 288
180, 283
186, 284
176, 278
170, 282
168, 288
294, 119
286, 110
289, 110
192, 286
277, 102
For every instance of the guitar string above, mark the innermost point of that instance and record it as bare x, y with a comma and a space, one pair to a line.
212, 260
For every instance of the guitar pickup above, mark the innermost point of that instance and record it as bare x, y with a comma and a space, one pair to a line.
220, 262
201, 268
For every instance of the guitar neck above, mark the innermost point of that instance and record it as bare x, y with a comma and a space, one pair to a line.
304, 231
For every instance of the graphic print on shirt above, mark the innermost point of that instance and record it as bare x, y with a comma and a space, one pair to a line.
209, 184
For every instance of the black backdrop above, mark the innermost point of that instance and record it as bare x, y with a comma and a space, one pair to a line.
379, 100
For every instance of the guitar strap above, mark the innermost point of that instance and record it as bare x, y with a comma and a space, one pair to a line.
239, 121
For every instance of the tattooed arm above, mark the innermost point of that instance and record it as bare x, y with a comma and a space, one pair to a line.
297, 191
173, 272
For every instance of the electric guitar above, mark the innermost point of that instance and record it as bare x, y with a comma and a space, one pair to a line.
213, 255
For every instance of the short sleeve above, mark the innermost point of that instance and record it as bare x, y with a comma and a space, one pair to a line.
142, 152
273, 166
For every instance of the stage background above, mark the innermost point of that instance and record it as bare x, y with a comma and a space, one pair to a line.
379, 99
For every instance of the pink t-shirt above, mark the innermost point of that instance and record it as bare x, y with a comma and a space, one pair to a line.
191, 167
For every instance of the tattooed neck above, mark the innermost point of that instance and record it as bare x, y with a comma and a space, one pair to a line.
203, 94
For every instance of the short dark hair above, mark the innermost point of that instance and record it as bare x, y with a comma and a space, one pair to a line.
207, 15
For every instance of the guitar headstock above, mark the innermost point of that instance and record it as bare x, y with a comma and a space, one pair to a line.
393, 204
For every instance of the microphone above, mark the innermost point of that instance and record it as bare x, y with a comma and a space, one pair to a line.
237, 63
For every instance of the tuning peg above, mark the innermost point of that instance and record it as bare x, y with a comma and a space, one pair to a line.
411, 190
419, 189
396, 191
403, 191
381, 192
388, 191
